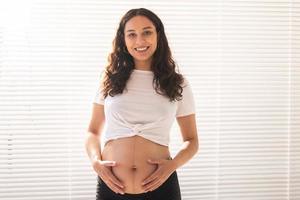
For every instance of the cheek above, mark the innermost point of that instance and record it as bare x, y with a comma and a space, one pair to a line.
154, 44
154, 41
128, 43
129, 46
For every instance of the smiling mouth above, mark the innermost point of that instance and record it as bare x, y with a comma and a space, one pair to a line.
141, 49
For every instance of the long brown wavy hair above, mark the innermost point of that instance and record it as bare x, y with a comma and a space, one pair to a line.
166, 80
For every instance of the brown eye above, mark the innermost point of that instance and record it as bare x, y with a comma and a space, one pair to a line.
148, 33
131, 35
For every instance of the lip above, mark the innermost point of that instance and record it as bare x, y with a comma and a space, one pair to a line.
142, 47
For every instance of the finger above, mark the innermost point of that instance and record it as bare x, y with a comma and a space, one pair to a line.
147, 185
153, 185
109, 177
114, 187
154, 161
150, 178
113, 179
108, 163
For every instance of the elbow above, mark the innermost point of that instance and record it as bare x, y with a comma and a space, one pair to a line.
91, 136
196, 145
93, 131
193, 145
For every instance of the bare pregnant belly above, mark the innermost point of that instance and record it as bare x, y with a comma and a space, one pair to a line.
131, 155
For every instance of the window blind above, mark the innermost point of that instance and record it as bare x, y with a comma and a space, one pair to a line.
241, 58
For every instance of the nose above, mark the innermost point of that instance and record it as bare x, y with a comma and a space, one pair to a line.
140, 40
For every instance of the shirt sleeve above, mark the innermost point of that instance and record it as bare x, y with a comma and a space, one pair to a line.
186, 105
98, 97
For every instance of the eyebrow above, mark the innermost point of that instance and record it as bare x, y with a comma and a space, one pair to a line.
147, 27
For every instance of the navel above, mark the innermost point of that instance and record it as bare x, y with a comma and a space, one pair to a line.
134, 167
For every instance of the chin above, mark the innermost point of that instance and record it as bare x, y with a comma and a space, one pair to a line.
142, 59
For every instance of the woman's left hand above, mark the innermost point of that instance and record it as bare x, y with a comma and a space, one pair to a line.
164, 169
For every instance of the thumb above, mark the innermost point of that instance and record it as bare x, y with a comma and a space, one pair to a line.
108, 163
154, 161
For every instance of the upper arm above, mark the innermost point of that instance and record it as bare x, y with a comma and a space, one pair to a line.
97, 119
98, 116
186, 106
188, 127
185, 113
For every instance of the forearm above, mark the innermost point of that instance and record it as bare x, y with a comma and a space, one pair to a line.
92, 146
187, 151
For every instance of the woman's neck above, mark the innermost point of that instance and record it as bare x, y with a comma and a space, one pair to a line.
142, 65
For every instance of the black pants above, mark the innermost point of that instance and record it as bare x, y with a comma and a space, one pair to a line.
169, 190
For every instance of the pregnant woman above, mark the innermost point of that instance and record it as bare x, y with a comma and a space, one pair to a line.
139, 96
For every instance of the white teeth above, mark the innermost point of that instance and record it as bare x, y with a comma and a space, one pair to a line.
141, 49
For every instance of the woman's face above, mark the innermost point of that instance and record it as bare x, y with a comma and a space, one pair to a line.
140, 40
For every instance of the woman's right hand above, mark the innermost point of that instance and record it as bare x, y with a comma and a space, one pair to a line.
103, 169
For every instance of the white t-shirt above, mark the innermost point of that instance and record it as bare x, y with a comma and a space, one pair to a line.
141, 111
